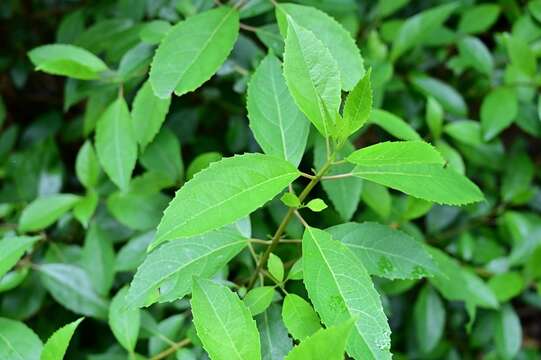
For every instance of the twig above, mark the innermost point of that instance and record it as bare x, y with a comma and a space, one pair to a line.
247, 27
335, 177
301, 219
171, 349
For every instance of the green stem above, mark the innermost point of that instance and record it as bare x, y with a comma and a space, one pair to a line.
287, 218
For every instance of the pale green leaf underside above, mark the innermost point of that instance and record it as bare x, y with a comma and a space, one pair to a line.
277, 123
340, 288
259, 299
44, 211
12, 248
332, 34
193, 50
18, 342
312, 76
56, 346
170, 268
67, 60
223, 323
115, 143
224, 192
384, 251
299, 317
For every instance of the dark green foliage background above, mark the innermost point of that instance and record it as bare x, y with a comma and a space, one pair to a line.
42, 122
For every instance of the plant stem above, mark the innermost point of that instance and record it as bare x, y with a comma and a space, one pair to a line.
171, 349
335, 177
287, 218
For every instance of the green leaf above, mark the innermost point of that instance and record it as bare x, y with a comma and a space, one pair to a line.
67, 60
378, 198
358, 105
475, 53
85, 207
223, 323
170, 268
87, 167
18, 342
138, 210
393, 125
419, 27
259, 299
429, 318
498, 110
115, 143
506, 286
478, 19
299, 317
508, 332
340, 288
70, 286
312, 76
148, 113
193, 50
124, 320
275, 343
201, 162
416, 169
434, 117
333, 36
447, 96
44, 211
56, 346
133, 253
290, 200
276, 267
163, 156
518, 175
522, 57
329, 344
316, 205
223, 193
11, 250
384, 251
279, 127
98, 259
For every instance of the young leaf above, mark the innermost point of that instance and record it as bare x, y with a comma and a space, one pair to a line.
11, 250
384, 251
44, 211
70, 286
358, 105
98, 258
299, 317
148, 114
18, 341
259, 299
279, 127
275, 343
329, 343
276, 267
429, 317
223, 193
115, 143
416, 169
202, 256
498, 110
124, 320
331, 33
67, 60
340, 288
290, 200
56, 346
87, 167
316, 205
223, 323
193, 50
312, 76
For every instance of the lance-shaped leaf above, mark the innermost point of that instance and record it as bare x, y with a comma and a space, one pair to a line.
416, 169
357, 108
384, 251
171, 267
328, 344
67, 60
222, 193
11, 250
18, 342
331, 33
299, 317
44, 211
277, 123
148, 114
394, 125
275, 343
98, 258
87, 167
193, 50
124, 320
340, 288
223, 323
312, 76
56, 346
115, 143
